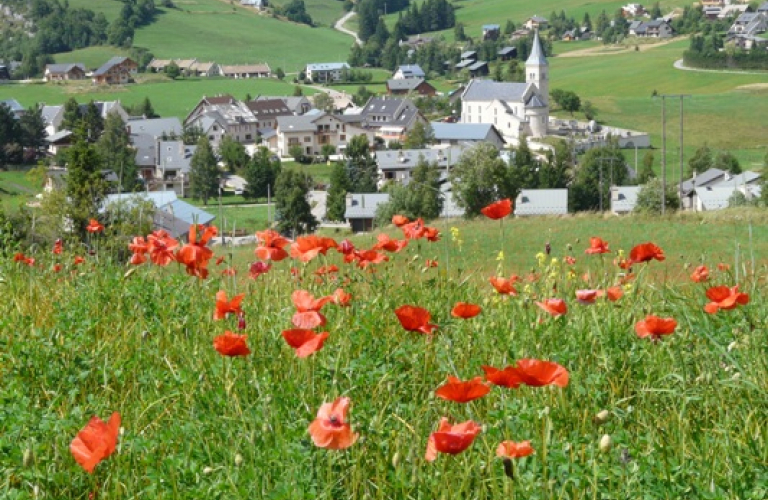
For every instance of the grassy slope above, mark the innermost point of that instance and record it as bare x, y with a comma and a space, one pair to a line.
324, 12
92, 57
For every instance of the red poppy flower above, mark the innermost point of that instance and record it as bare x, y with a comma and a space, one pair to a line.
597, 245
555, 307
195, 254
56, 268
413, 230
430, 263
231, 344
161, 247
306, 248
570, 260
511, 449
306, 342
58, 247
465, 310
399, 220
700, 274
19, 257
463, 392
94, 226
388, 244
230, 271
95, 442
722, 266
322, 271
646, 252
346, 247
538, 373
498, 210
508, 377
330, 430
623, 263
78, 260
723, 297
271, 245
308, 309
224, 307
431, 234
655, 327
504, 286
614, 293
258, 268
139, 247
415, 319
587, 296
341, 298
452, 439
366, 258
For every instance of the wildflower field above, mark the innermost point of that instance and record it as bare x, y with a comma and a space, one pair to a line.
538, 359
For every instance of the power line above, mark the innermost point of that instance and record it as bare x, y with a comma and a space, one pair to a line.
664, 148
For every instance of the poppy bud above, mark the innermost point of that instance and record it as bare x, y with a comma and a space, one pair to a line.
602, 417
28, 459
548, 248
569, 247
605, 443
241, 321
207, 470
238, 460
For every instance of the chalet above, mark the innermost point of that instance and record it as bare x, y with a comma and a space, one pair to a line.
478, 68
172, 165
158, 65
144, 134
361, 210
491, 31
59, 72
326, 72
266, 111
570, 35
313, 131
466, 133
397, 166
58, 142
749, 23
410, 86
507, 53
15, 106
624, 199
118, 70
298, 105
519, 34
390, 118
657, 28
246, 71
713, 189
749, 42
541, 202
224, 115
409, 71
536, 23
205, 69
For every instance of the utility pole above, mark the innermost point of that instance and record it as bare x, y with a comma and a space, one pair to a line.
664, 149
601, 160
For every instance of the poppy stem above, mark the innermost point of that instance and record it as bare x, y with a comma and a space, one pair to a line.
509, 468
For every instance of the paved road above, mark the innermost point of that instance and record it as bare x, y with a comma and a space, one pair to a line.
340, 26
679, 65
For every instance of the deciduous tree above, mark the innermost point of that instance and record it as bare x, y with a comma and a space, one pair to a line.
292, 209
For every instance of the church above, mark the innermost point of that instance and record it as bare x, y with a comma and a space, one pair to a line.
516, 109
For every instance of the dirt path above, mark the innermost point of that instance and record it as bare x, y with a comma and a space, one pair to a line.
340, 27
610, 50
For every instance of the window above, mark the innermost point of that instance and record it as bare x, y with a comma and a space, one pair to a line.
248, 137
307, 139
210, 137
215, 128
342, 137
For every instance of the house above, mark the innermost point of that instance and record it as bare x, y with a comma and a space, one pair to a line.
171, 214
748, 42
266, 111
58, 142
155, 127
246, 71
205, 69
416, 41
53, 116
15, 106
171, 170
411, 85
185, 65
326, 72
397, 165
570, 35
657, 28
158, 65
224, 115
144, 134
714, 188
491, 31
390, 118
105, 109
313, 131
514, 108
60, 72
519, 34
688, 187
466, 133
749, 23
257, 4
361, 210
478, 68
118, 70
633, 10
409, 71
624, 199
507, 53
536, 23
541, 202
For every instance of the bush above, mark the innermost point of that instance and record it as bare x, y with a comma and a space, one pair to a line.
649, 198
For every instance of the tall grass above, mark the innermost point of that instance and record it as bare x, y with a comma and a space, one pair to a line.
688, 413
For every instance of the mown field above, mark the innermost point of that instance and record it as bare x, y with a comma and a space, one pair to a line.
685, 415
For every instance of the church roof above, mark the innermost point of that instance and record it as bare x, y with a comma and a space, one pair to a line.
535, 102
537, 53
489, 90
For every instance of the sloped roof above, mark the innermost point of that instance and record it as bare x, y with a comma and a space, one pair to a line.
291, 123
542, 202
488, 90
535, 102
364, 205
702, 179
413, 69
190, 214
463, 131
58, 136
477, 65
108, 65
245, 68
406, 159
487, 27
63, 68
156, 126
714, 197
15, 106
49, 113
738, 180
269, 107
507, 50
327, 66
537, 53
404, 83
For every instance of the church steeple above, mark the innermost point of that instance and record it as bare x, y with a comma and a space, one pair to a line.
537, 68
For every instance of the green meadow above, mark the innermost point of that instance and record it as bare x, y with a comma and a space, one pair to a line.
679, 417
